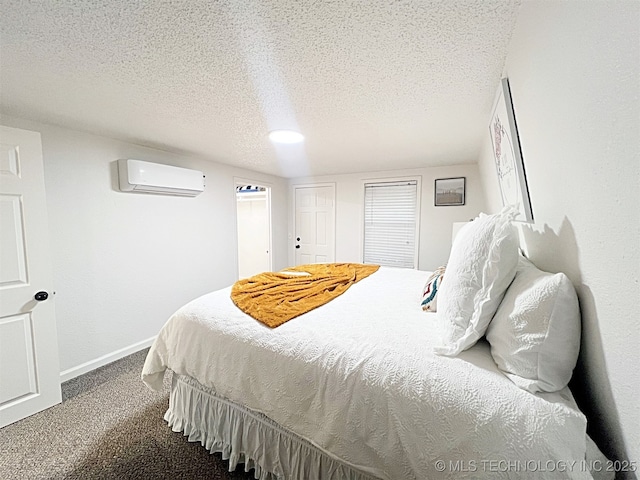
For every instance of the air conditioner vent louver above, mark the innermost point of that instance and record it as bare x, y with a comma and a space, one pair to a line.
146, 177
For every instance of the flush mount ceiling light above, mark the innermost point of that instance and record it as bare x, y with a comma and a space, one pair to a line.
285, 136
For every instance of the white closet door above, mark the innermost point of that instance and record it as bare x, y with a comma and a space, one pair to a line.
315, 224
29, 363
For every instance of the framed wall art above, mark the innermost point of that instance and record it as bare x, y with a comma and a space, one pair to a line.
507, 155
449, 191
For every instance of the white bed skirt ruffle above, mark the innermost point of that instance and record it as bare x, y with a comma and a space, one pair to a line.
245, 436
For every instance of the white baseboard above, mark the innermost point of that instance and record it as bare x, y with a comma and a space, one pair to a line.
105, 359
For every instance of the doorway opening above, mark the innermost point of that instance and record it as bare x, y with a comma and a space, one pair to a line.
253, 218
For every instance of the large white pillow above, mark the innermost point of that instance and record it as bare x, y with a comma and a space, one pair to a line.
481, 266
535, 334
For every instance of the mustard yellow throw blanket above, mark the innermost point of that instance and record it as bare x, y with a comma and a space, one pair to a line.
274, 298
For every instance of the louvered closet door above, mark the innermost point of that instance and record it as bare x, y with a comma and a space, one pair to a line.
390, 223
29, 372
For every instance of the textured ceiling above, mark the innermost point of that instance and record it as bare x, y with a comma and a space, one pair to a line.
373, 85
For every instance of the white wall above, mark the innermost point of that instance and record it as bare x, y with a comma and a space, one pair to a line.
575, 82
435, 222
122, 262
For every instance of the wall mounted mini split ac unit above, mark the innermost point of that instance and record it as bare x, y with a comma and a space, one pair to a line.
147, 177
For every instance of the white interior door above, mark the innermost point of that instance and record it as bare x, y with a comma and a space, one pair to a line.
315, 224
29, 363
254, 232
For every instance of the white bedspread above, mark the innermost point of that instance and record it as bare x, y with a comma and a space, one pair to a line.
357, 377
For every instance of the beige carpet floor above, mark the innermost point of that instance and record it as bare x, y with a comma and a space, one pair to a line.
109, 426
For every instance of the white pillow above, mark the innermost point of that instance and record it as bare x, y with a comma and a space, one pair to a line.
535, 334
481, 266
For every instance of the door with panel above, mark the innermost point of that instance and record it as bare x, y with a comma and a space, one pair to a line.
29, 363
314, 224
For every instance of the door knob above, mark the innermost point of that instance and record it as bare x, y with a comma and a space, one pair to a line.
298, 238
297, 246
41, 296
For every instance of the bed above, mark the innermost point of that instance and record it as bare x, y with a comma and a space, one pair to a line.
354, 390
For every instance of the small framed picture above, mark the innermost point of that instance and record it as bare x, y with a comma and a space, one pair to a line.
449, 191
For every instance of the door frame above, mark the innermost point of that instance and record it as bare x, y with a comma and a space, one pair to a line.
239, 181
292, 240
